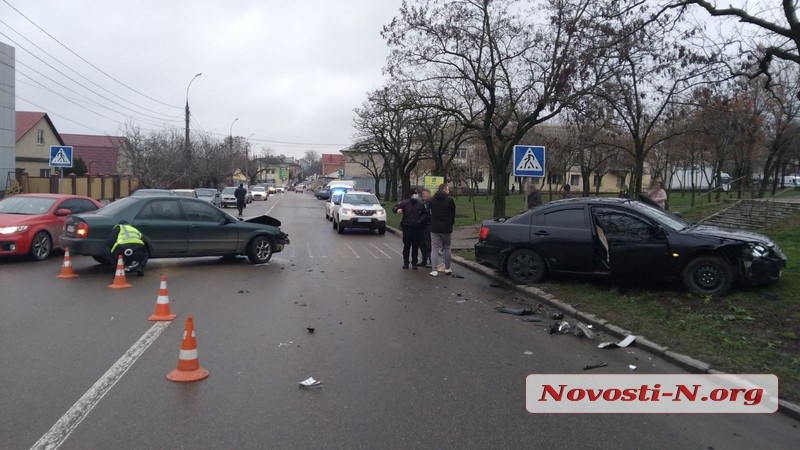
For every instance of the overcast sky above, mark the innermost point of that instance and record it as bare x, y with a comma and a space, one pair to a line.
290, 71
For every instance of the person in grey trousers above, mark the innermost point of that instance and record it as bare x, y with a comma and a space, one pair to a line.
443, 215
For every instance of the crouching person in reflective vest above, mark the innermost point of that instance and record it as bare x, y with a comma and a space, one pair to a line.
127, 241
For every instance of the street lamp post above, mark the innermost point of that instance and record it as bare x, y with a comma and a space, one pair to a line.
187, 148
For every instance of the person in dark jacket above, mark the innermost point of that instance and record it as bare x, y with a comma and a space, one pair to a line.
127, 240
241, 196
425, 244
533, 196
414, 213
443, 216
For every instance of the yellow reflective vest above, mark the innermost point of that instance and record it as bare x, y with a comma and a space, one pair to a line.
128, 235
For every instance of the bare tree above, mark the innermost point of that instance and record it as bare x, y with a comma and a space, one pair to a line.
493, 65
367, 153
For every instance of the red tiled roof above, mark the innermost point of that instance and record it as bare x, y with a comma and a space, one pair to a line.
332, 158
100, 153
26, 120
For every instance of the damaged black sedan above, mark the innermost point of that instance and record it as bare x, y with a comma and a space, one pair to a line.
174, 227
626, 239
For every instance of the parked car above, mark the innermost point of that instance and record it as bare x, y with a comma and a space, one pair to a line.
210, 195
185, 193
359, 210
625, 238
290, 188
280, 189
323, 194
272, 189
332, 204
260, 193
176, 227
300, 188
151, 192
30, 224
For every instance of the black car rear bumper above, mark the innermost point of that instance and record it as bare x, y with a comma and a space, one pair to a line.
87, 247
490, 255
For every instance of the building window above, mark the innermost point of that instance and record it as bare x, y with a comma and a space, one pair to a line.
40, 137
461, 153
44, 173
575, 180
620, 181
598, 180
556, 178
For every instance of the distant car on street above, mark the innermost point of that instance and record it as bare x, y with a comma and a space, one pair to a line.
30, 224
280, 189
228, 197
300, 188
176, 227
259, 193
210, 195
323, 194
627, 239
152, 192
185, 193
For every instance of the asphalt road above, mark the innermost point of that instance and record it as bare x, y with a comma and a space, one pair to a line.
406, 360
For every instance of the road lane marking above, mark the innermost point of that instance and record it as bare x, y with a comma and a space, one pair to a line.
379, 249
351, 249
393, 249
271, 207
308, 247
75, 415
367, 250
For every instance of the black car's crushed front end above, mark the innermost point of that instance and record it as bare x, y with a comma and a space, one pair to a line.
758, 265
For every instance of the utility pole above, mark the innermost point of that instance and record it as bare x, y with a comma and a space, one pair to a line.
187, 147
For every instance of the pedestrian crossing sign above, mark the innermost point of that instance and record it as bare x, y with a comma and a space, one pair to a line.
529, 161
60, 156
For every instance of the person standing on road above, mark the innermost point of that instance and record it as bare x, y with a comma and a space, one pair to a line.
414, 212
567, 192
241, 196
443, 217
533, 196
127, 240
425, 243
658, 194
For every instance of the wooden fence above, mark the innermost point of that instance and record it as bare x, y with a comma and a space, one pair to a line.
105, 188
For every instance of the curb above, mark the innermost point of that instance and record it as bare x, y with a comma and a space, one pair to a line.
684, 361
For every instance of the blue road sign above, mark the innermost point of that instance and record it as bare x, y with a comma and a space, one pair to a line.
529, 161
60, 156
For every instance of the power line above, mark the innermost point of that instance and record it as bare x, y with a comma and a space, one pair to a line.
68, 67
84, 60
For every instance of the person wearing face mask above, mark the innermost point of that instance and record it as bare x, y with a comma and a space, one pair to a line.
414, 216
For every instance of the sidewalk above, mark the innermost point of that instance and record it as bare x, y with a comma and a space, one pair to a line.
465, 237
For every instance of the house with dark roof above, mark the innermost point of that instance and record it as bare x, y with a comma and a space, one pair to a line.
35, 133
100, 153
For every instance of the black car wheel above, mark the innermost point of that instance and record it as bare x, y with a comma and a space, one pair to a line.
260, 250
41, 246
708, 275
102, 260
525, 266
334, 223
382, 230
341, 229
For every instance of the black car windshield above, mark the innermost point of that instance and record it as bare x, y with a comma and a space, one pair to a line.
26, 205
659, 215
360, 199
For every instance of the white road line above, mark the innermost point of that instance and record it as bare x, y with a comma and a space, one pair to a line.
351, 249
367, 250
75, 415
271, 207
394, 249
308, 247
378, 249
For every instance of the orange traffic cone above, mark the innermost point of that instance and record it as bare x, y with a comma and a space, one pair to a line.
162, 303
66, 268
188, 365
120, 281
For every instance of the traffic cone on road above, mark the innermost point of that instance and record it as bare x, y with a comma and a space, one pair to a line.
120, 281
66, 268
162, 311
188, 365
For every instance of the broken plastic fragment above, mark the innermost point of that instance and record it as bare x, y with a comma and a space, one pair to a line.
557, 316
309, 382
594, 366
581, 330
527, 352
623, 343
632, 367
515, 311
563, 327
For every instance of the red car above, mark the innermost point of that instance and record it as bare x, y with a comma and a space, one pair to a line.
30, 224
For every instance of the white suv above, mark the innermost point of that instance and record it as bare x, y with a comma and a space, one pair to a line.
359, 210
